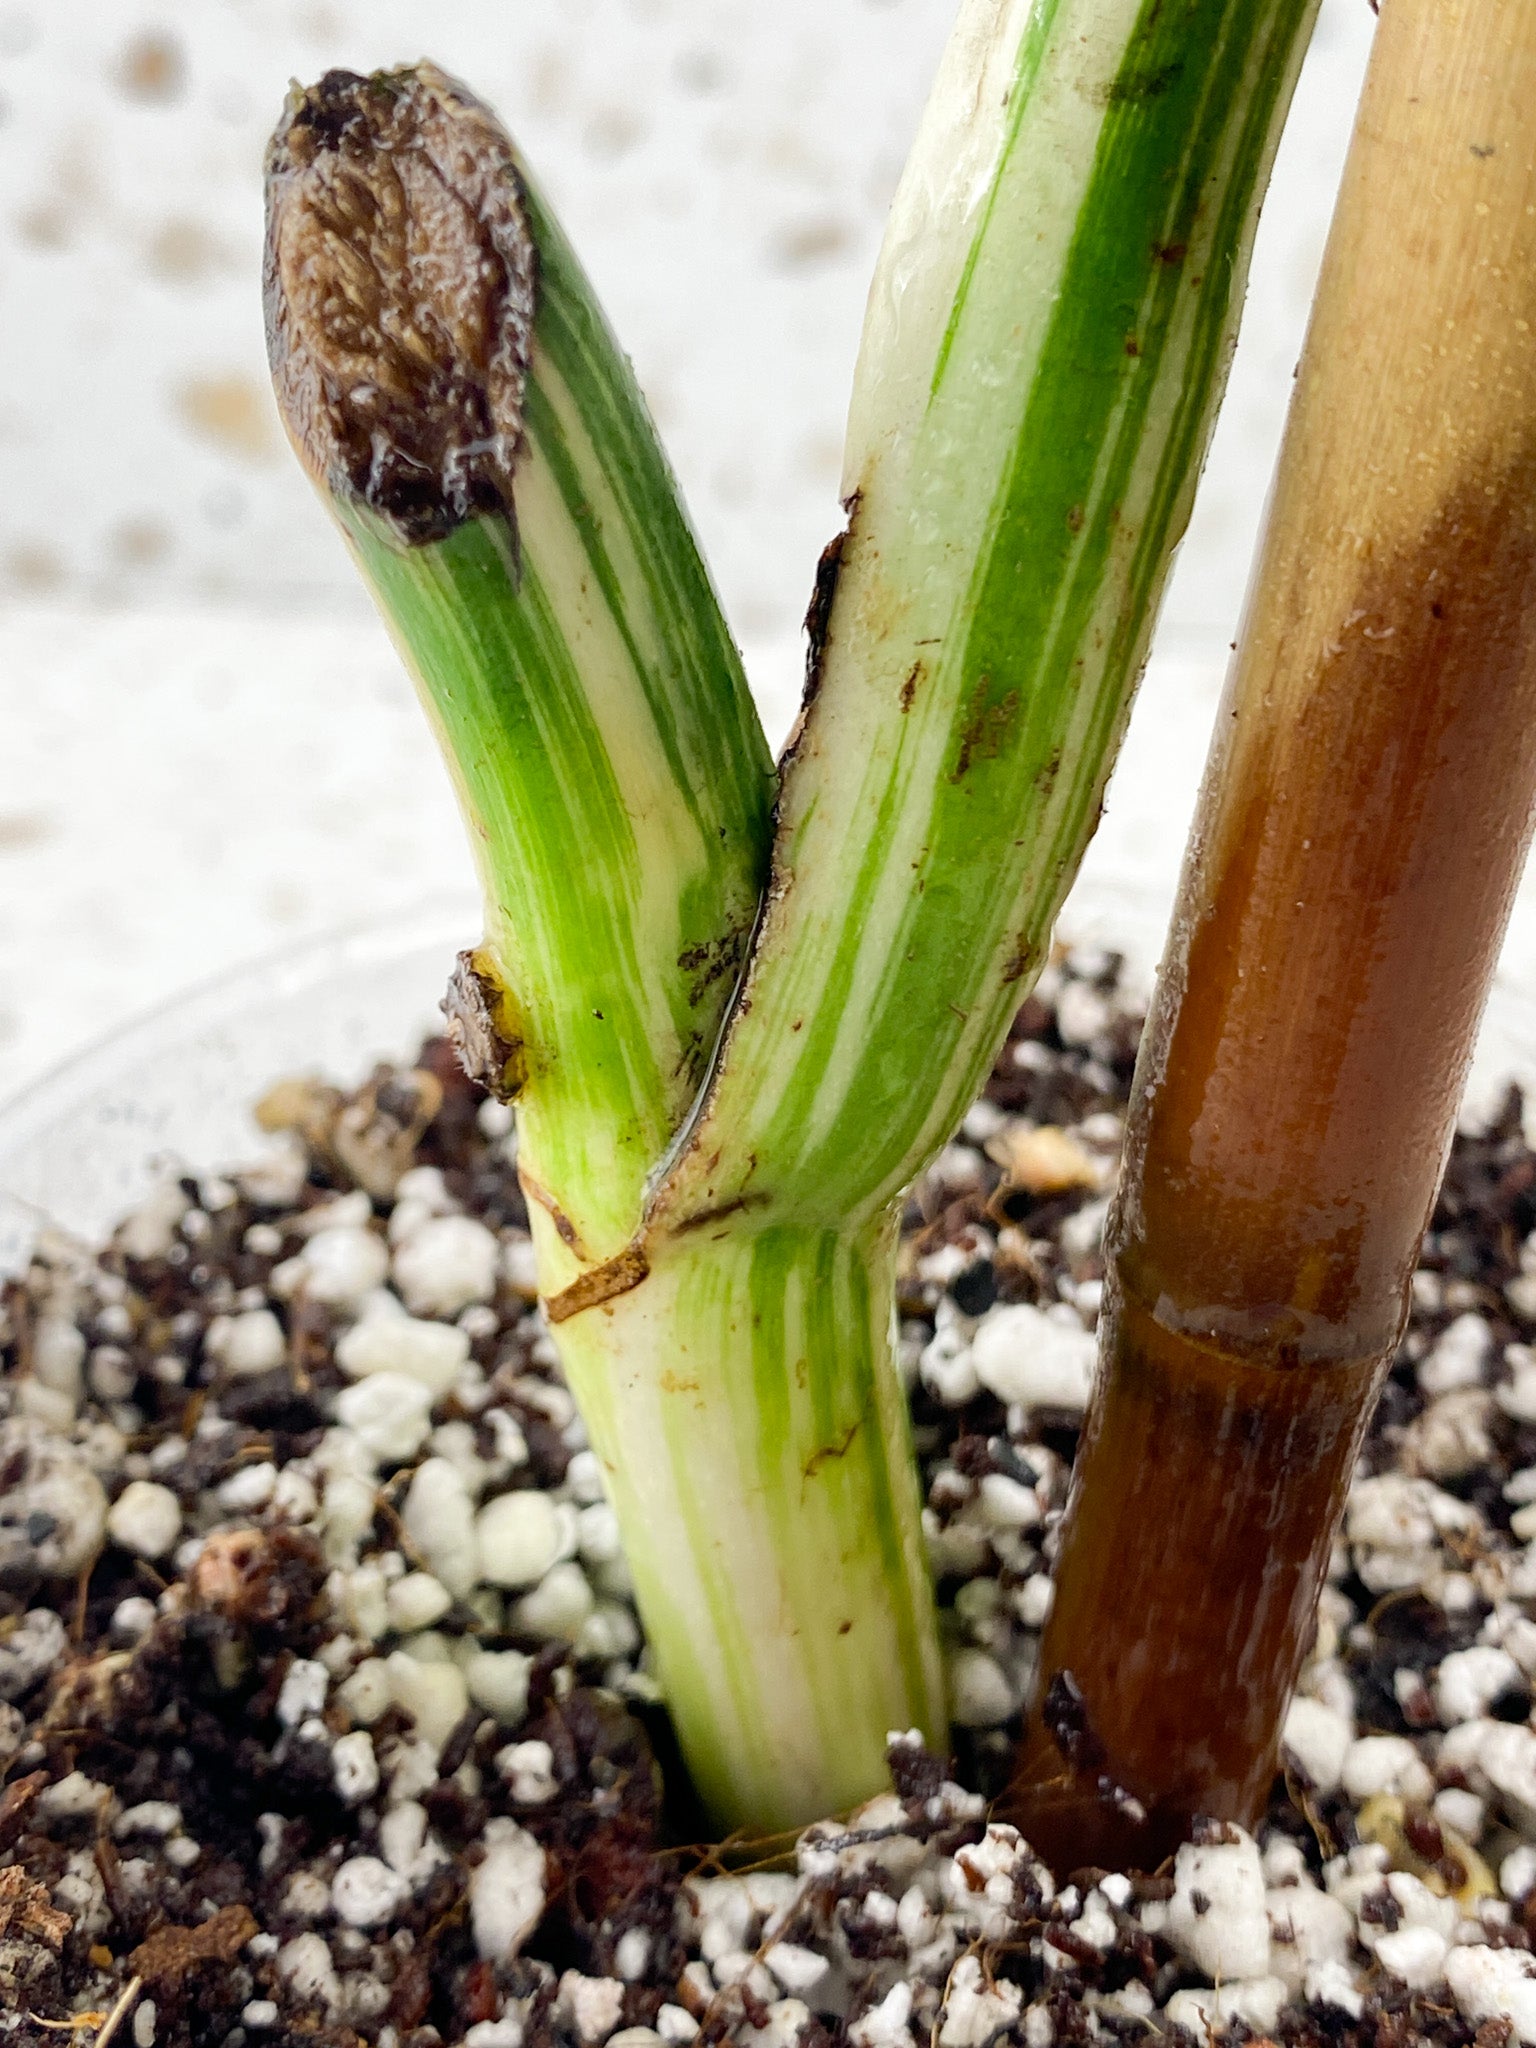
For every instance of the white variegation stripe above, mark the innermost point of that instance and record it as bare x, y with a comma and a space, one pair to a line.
931, 466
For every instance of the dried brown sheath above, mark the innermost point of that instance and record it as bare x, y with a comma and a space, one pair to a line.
400, 291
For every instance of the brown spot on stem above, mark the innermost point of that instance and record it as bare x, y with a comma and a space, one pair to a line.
604, 1283
400, 292
986, 729
715, 960
566, 1230
818, 615
1025, 958
828, 1452
702, 1217
481, 1030
1136, 85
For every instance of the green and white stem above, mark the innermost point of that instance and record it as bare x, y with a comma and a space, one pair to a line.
1047, 339
1047, 336
747, 1408
449, 380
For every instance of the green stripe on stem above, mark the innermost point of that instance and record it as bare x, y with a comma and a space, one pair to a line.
754, 1437
1028, 424
616, 785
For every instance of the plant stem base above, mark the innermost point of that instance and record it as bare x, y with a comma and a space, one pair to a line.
1212, 1543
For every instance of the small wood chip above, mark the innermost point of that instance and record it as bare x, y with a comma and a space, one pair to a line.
1043, 1159
170, 1952
27, 1913
15, 1804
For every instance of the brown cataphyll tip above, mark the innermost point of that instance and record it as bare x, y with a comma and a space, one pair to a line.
400, 284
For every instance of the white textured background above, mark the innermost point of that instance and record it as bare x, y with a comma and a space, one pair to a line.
206, 746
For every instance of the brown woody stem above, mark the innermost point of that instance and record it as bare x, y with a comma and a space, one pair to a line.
1364, 820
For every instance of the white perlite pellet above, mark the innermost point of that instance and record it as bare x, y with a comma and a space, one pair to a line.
33, 1648
521, 1535
590, 2006
347, 1508
529, 1769
1308, 1930
366, 1892
1517, 1873
520, 1266
367, 1692
1033, 1358
49, 1485
497, 1681
972, 2012
446, 1264
632, 1954
1494, 1983
885, 2025
145, 1519
247, 1345
134, 1618
417, 1601
150, 1231
1256, 2003
507, 2033
1470, 1680
979, 1693
354, 1767
249, 1490
558, 1606
303, 1691
1385, 1763
797, 1968
945, 1364
1317, 1740
1006, 1504
74, 1797
1506, 1757
339, 1266
439, 1518
1457, 1357
1415, 1954
506, 1891
305, 1966
58, 1358
385, 1340
156, 1818
1217, 1916
434, 1695
389, 1414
